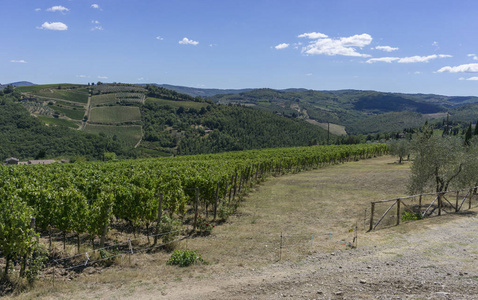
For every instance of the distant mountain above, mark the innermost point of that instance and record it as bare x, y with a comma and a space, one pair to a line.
18, 83
194, 92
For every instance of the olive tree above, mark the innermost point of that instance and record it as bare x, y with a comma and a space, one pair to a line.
400, 148
438, 162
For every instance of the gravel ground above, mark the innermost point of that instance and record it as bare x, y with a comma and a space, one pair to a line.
430, 259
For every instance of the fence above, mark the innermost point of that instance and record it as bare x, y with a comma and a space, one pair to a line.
394, 211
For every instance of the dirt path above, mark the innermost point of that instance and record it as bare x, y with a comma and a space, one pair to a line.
437, 261
87, 113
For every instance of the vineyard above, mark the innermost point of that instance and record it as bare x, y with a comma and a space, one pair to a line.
88, 199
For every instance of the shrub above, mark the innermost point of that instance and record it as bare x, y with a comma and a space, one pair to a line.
185, 258
203, 227
406, 216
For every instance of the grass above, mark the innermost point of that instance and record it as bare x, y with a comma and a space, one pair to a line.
63, 94
58, 122
130, 135
69, 104
70, 113
115, 114
33, 88
104, 99
334, 128
177, 104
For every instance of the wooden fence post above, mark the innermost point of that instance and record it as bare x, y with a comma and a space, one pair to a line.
469, 199
456, 204
439, 203
398, 211
160, 214
420, 203
372, 210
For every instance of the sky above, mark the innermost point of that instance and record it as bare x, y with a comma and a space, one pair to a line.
419, 46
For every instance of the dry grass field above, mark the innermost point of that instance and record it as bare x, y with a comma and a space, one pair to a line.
314, 211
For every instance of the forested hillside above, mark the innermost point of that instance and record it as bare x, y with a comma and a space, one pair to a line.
361, 112
218, 128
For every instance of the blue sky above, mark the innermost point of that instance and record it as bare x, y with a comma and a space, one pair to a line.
393, 46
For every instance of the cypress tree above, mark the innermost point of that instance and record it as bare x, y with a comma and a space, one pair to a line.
468, 135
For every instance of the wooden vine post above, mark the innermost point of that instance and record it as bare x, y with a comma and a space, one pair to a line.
196, 204
160, 214
216, 201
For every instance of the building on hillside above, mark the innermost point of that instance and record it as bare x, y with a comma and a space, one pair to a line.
41, 162
12, 161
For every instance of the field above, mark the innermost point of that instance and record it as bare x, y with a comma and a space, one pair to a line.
334, 128
76, 114
130, 135
313, 211
185, 104
63, 94
103, 99
115, 114
58, 122
33, 88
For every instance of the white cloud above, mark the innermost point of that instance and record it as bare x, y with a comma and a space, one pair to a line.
473, 56
472, 78
102, 77
141, 79
417, 59
383, 59
312, 35
308, 74
53, 26
186, 41
37, 9
385, 48
343, 46
95, 6
82, 76
97, 27
58, 8
417, 72
467, 68
159, 38
21, 61
281, 46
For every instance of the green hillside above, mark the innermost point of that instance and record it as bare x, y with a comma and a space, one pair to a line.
358, 111
26, 137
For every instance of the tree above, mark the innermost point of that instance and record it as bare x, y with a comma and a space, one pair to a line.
468, 135
438, 162
400, 148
